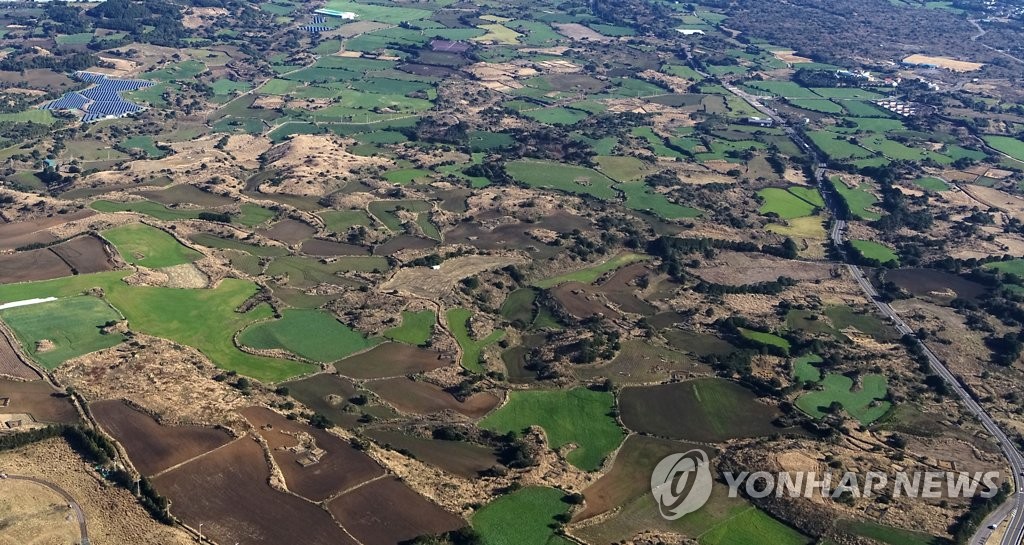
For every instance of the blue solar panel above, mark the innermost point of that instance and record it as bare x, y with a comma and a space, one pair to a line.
319, 20
314, 28
101, 100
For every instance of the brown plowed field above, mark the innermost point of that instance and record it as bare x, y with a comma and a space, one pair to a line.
11, 364
315, 246
85, 255
340, 468
620, 288
228, 492
39, 399
326, 394
21, 233
289, 231
391, 360
457, 457
404, 242
32, 265
581, 300
387, 511
419, 397
151, 446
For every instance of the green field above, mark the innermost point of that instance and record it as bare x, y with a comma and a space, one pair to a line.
72, 324
860, 404
34, 116
380, 13
642, 198
557, 116
312, 334
225, 87
338, 221
149, 208
253, 214
1008, 145
416, 327
144, 143
857, 200
751, 527
458, 323
205, 318
765, 338
784, 204
622, 169
590, 274
1013, 266
568, 178
210, 241
931, 184
149, 247
580, 416
519, 306
524, 517
888, 534
804, 369
873, 250
81, 38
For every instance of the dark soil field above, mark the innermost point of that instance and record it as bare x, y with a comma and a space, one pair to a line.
514, 235
38, 399
328, 395
227, 491
185, 193
11, 364
699, 344
936, 284
629, 477
387, 511
581, 300
391, 360
620, 288
515, 360
427, 70
151, 446
340, 468
84, 254
662, 320
457, 457
425, 398
289, 231
22, 233
316, 246
32, 265
705, 410
403, 242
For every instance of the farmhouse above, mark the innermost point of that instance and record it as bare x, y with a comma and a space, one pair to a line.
759, 121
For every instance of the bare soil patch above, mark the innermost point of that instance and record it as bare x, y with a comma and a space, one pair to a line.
944, 62
316, 465
577, 31
85, 255
736, 269
581, 300
289, 231
32, 265
27, 231
11, 363
315, 165
390, 360
387, 511
152, 447
36, 398
420, 397
320, 247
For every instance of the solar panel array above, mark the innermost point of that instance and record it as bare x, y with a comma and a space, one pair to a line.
317, 28
101, 100
319, 20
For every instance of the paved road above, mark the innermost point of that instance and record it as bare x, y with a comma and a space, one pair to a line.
67, 497
1014, 506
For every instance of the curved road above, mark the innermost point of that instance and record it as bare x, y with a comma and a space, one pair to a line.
67, 497
1014, 505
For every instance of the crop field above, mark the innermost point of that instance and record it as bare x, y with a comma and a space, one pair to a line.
843, 317
888, 534
865, 404
12, 364
805, 370
837, 146
460, 458
307, 272
458, 322
784, 204
204, 319
416, 328
578, 416
38, 399
622, 169
857, 200
821, 105
144, 143
590, 274
41, 264
568, 178
385, 211
557, 115
320, 247
184, 193
873, 250
762, 337
640, 362
56, 331
338, 221
1008, 145
719, 410
228, 492
806, 227
640, 197
312, 334
417, 397
149, 247
341, 467
327, 394
390, 360
519, 306
752, 527
523, 517
151, 446
387, 511
251, 215
85, 254
1013, 266
931, 184
289, 231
